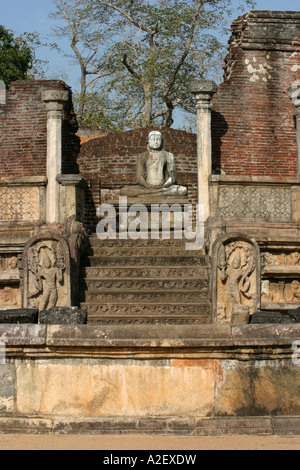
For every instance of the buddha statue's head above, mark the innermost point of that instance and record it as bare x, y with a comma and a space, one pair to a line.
155, 140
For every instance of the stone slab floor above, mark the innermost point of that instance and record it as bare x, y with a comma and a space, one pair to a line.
142, 442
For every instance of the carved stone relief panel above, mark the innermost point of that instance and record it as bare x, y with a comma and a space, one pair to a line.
281, 258
46, 261
19, 203
267, 203
10, 296
8, 263
276, 291
236, 279
281, 278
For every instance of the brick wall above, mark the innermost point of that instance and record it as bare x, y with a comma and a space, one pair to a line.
253, 120
23, 130
109, 163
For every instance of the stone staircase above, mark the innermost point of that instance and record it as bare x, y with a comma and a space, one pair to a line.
144, 281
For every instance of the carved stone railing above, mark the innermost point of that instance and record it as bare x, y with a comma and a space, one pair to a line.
256, 198
22, 200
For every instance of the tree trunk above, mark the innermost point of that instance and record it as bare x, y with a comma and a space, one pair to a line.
147, 111
82, 93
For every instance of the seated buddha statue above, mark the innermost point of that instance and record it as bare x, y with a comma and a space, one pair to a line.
156, 172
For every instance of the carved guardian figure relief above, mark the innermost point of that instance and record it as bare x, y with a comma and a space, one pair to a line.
236, 276
46, 273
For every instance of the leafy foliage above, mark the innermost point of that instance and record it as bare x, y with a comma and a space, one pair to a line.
16, 57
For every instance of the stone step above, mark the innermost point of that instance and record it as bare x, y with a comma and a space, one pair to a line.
149, 320
142, 251
148, 272
150, 296
201, 310
97, 242
144, 261
92, 284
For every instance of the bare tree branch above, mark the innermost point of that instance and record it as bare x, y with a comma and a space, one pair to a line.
186, 50
130, 68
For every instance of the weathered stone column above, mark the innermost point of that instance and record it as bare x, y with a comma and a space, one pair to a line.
54, 100
204, 91
294, 93
298, 136
71, 197
2, 92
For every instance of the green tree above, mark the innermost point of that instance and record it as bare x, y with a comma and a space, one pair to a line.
16, 57
149, 52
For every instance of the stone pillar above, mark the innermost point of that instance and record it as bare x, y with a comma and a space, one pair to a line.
2, 93
294, 93
72, 188
54, 100
204, 91
298, 137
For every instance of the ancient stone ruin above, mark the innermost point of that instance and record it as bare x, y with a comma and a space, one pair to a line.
150, 280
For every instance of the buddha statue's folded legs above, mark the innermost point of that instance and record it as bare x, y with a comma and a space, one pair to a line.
137, 190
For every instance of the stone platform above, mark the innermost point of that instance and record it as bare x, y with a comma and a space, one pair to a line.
150, 379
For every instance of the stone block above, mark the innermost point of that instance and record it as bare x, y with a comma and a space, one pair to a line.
23, 335
273, 317
265, 335
122, 425
233, 426
286, 425
63, 316
7, 388
110, 389
174, 426
167, 336
115, 425
295, 315
25, 425
258, 388
19, 316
